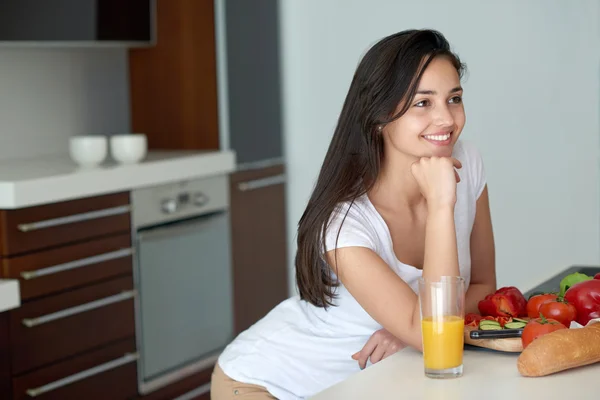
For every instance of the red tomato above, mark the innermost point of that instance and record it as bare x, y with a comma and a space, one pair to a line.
561, 311
539, 327
597, 276
535, 302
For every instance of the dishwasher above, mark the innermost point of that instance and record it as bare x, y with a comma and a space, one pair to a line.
182, 272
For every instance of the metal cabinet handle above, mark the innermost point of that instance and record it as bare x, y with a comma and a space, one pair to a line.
67, 312
126, 359
107, 212
261, 183
83, 262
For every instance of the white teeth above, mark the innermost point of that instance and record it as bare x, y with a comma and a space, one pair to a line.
441, 138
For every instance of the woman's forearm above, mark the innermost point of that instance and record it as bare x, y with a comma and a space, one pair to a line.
476, 293
441, 253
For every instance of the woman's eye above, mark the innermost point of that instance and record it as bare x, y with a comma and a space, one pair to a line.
456, 100
422, 103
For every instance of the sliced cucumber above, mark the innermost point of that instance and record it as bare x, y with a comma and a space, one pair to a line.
488, 322
520, 320
515, 325
490, 327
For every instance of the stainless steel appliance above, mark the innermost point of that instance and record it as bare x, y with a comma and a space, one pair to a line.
184, 311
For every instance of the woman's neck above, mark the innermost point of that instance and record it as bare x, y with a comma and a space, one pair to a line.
395, 186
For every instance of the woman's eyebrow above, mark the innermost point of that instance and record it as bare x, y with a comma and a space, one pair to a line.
433, 92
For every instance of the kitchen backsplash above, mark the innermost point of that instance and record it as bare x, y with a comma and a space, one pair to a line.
50, 94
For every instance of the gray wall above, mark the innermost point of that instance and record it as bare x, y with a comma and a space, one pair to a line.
532, 100
48, 95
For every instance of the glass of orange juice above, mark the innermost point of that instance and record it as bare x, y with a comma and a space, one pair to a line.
442, 304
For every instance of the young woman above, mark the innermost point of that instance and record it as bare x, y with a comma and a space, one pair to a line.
398, 197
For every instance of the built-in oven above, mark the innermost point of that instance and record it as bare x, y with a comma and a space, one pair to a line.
184, 307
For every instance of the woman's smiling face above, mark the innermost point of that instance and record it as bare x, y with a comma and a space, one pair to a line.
436, 116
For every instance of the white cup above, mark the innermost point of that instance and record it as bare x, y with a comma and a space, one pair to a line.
88, 150
128, 148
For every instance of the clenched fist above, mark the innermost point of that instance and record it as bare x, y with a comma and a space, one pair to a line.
437, 179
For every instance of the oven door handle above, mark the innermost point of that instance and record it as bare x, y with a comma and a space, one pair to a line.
179, 228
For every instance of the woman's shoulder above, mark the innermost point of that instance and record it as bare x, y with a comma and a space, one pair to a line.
466, 151
472, 171
353, 221
359, 210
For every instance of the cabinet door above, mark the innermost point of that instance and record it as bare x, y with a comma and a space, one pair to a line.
66, 267
33, 228
173, 85
259, 243
64, 325
106, 373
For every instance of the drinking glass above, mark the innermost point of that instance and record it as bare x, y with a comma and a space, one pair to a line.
442, 303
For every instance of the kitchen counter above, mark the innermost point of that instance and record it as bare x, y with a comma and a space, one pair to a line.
487, 375
10, 296
30, 182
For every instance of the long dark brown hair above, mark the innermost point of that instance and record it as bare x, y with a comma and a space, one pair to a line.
387, 76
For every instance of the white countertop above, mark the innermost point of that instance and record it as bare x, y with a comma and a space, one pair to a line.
29, 182
10, 296
488, 374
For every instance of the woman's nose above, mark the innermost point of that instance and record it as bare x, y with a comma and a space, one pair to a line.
443, 116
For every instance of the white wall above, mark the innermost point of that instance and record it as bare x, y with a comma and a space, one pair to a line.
50, 94
532, 103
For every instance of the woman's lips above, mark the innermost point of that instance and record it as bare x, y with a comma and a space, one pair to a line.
439, 139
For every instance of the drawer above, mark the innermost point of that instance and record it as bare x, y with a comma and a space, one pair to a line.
32, 228
53, 328
45, 272
108, 373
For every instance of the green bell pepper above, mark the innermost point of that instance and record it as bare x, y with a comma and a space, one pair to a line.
570, 280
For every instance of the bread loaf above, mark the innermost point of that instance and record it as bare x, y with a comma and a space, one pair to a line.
561, 350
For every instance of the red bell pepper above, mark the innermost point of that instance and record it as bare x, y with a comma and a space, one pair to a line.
505, 302
585, 296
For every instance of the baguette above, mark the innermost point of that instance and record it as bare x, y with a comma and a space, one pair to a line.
561, 350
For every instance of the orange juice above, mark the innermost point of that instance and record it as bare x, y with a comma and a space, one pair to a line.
443, 341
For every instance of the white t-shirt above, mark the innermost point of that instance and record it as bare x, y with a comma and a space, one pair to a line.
297, 349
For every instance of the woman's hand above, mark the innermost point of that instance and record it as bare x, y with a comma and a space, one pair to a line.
437, 179
380, 345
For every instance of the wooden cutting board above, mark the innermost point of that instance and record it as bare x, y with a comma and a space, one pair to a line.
512, 345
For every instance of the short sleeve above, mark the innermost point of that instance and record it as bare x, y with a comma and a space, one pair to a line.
356, 230
476, 168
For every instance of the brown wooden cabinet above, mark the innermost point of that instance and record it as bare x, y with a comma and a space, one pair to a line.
74, 334
66, 324
106, 373
71, 266
40, 227
259, 243
173, 85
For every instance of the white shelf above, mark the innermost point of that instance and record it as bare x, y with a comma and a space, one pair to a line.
30, 182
